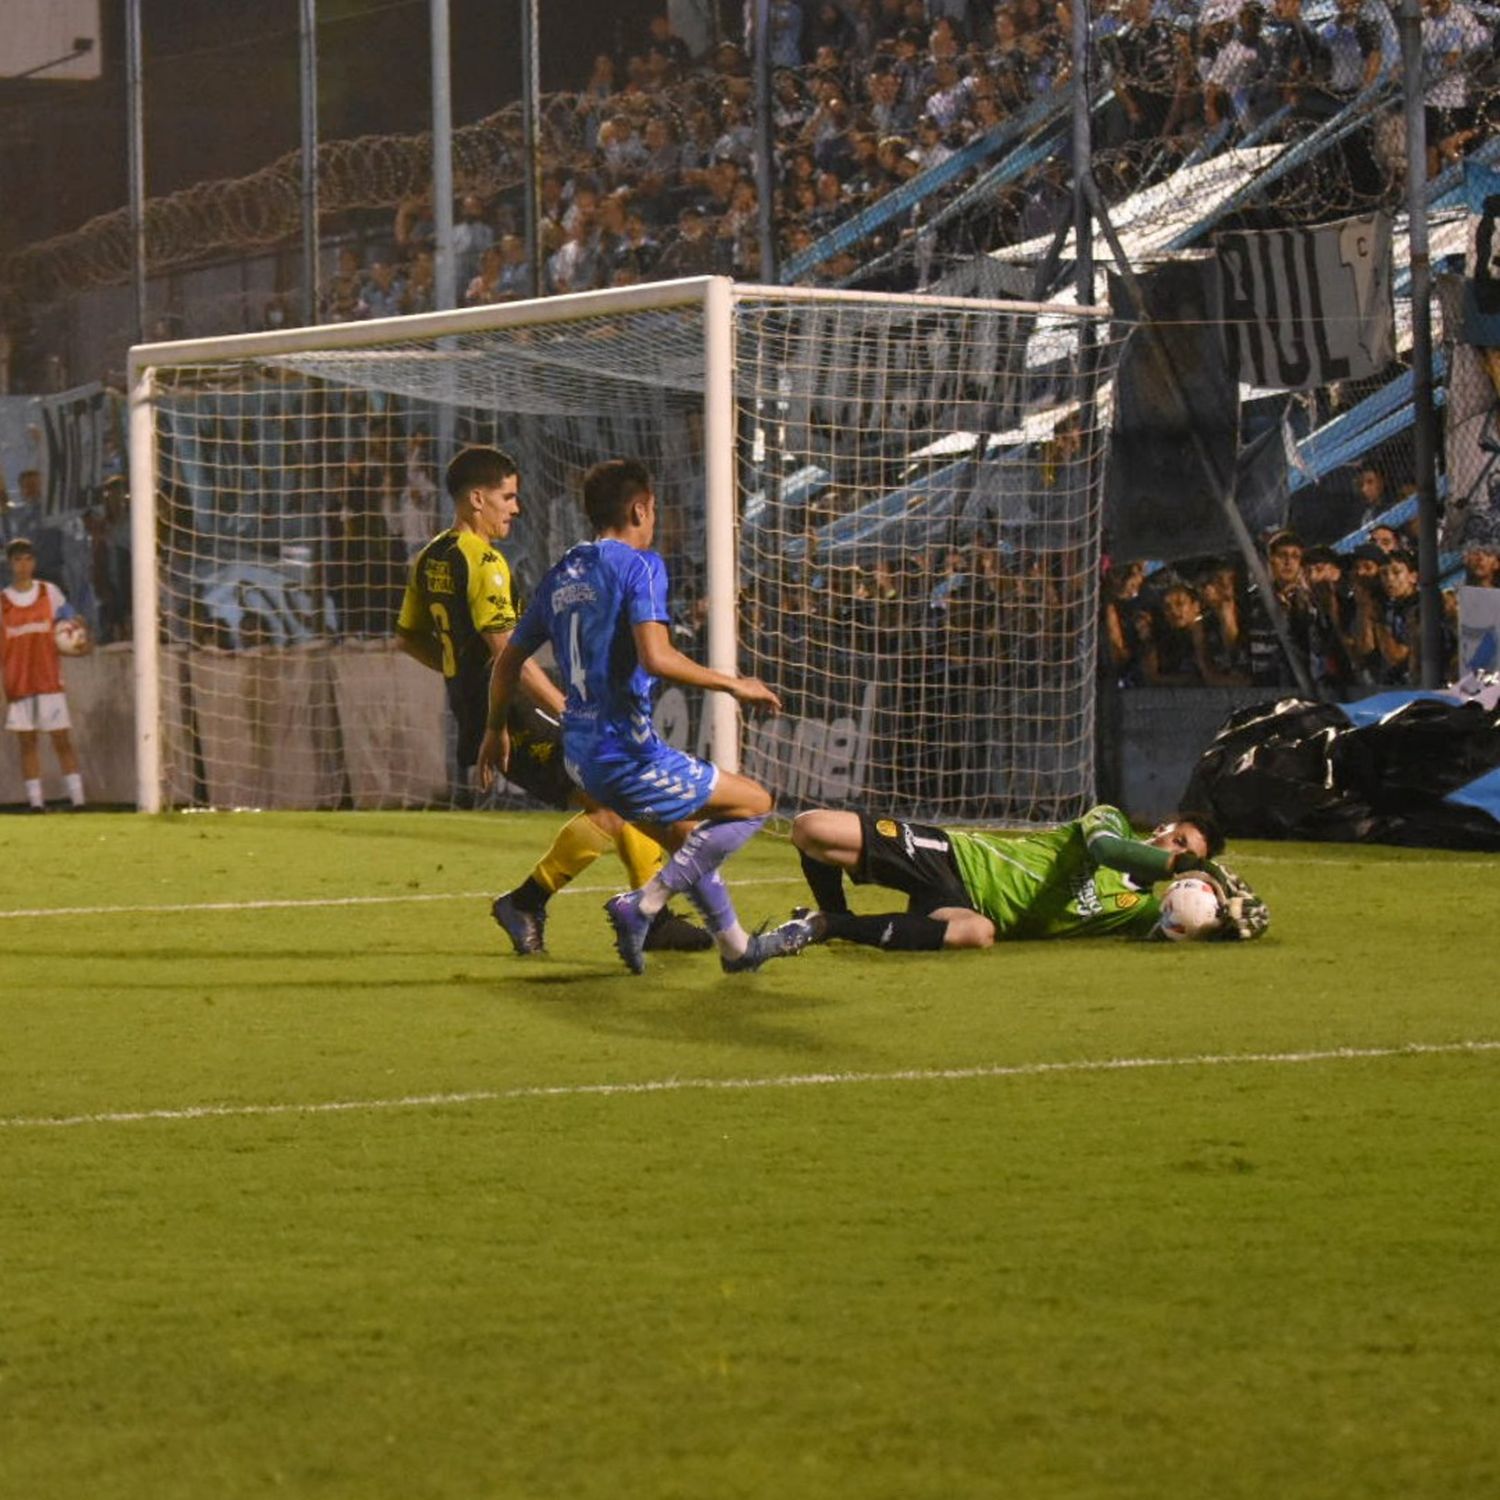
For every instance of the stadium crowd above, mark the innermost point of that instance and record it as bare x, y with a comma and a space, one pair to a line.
659, 146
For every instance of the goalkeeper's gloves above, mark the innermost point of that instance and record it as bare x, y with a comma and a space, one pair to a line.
1243, 914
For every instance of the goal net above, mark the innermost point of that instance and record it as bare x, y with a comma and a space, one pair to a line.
887, 507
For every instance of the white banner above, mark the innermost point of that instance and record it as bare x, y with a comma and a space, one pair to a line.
1306, 307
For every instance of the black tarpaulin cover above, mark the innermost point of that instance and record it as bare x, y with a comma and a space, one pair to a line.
1404, 768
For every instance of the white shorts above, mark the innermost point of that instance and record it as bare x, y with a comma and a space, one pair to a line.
47, 711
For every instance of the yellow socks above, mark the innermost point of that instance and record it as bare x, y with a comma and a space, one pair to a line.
579, 842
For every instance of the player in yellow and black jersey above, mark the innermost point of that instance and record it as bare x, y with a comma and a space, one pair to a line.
456, 616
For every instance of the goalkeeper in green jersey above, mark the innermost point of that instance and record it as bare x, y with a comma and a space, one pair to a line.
1085, 879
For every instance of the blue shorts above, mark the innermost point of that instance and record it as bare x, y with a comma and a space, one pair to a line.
652, 784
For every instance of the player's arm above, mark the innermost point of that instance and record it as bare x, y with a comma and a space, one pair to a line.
1110, 842
534, 682
505, 680
657, 654
420, 647
414, 632
506, 672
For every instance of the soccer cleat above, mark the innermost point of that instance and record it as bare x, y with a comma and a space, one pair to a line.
780, 942
631, 927
817, 923
673, 934
526, 929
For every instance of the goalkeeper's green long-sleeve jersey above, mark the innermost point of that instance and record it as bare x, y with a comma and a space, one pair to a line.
1085, 879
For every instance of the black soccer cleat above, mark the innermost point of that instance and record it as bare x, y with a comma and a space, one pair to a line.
817, 923
527, 930
785, 941
671, 933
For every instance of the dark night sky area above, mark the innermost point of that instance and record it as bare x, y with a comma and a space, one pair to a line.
221, 91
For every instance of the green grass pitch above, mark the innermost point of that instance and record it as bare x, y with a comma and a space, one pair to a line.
885, 1226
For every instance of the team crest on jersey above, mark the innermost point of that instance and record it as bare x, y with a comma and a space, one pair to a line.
1124, 900
886, 829
439, 576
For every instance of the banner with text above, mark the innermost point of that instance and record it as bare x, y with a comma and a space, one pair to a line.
1309, 306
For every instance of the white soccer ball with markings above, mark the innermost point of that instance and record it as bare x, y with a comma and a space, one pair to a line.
1190, 909
71, 635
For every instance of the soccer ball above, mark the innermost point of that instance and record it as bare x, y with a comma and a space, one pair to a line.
72, 636
1189, 909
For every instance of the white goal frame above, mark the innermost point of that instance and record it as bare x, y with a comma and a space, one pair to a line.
715, 296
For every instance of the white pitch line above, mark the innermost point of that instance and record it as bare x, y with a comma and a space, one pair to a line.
785, 1081
291, 903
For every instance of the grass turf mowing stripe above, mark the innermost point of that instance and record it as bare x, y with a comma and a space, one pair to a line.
786, 1081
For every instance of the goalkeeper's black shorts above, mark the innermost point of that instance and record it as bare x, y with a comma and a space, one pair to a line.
916, 858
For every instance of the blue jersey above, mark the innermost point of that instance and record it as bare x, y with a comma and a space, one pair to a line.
587, 606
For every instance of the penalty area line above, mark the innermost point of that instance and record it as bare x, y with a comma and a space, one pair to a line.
293, 903
741, 1085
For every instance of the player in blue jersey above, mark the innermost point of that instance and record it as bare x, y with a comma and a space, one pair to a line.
603, 607
456, 616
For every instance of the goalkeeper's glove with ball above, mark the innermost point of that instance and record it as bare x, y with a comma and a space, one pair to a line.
1245, 915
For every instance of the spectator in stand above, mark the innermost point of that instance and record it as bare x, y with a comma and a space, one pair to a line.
739, 233
692, 252
1268, 661
1374, 497
1329, 657
947, 101
596, 93
1123, 637
1482, 553
515, 269
32, 675
1299, 61
1142, 59
638, 251
1172, 638
1224, 658
472, 236
664, 40
931, 149
414, 227
21, 514
891, 112
576, 265
421, 284
365, 566
343, 297
621, 151
831, 206
1452, 36
1351, 42
827, 26
1387, 539
1394, 629
1232, 86
786, 34
384, 292
485, 287
413, 519
108, 528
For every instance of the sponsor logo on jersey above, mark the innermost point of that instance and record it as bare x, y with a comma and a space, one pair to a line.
1086, 897
1125, 900
886, 829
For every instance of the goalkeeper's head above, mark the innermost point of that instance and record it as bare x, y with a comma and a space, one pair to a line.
1190, 833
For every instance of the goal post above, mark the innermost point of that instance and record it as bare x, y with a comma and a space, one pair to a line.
887, 506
